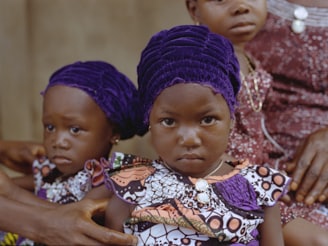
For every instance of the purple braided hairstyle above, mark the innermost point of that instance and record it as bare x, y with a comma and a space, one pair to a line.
185, 54
112, 91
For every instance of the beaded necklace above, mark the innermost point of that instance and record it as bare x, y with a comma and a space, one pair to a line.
255, 80
202, 186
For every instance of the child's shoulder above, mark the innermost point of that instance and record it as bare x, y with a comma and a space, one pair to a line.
120, 160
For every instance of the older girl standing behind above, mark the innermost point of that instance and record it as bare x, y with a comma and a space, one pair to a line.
240, 21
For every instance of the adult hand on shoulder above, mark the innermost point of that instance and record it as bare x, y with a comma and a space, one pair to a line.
309, 169
72, 224
19, 155
5, 184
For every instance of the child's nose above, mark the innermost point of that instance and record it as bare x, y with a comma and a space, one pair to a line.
189, 137
60, 141
240, 7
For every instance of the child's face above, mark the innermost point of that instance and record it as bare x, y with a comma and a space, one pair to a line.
190, 127
237, 20
75, 128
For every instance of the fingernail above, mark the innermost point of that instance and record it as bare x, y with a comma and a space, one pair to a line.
299, 198
293, 186
309, 200
322, 198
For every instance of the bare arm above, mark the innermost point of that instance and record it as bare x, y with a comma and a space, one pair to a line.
9, 190
74, 218
54, 220
271, 228
19, 155
26, 182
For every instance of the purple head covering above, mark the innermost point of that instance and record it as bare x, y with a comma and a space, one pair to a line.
112, 91
185, 54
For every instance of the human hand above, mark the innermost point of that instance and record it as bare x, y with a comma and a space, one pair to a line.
309, 168
72, 224
5, 184
19, 155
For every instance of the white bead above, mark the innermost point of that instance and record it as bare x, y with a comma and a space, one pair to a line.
301, 13
203, 198
201, 185
298, 26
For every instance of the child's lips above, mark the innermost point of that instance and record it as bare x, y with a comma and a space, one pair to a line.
190, 157
60, 160
243, 27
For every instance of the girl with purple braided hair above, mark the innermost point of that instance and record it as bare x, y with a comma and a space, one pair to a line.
87, 107
194, 193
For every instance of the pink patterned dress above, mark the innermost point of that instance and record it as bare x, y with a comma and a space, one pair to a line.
297, 104
247, 139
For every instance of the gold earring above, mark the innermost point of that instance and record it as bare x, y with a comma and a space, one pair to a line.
197, 23
116, 141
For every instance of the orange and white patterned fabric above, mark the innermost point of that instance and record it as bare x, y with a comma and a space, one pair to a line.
167, 210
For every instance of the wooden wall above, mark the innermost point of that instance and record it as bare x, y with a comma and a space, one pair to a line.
39, 36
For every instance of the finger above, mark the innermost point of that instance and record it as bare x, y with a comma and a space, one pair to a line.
313, 182
299, 173
117, 238
319, 189
26, 169
286, 199
104, 234
97, 233
38, 150
29, 154
96, 206
303, 159
290, 166
324, 195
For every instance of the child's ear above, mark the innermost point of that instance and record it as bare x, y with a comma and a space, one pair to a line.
192, 9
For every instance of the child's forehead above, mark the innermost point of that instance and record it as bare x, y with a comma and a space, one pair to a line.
70, 99
188, 91
189, 101
187, 87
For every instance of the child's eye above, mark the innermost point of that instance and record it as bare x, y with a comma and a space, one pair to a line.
168, 122
75, 130
49, 128
208, 120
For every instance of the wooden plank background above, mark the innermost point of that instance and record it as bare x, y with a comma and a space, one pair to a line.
39, 36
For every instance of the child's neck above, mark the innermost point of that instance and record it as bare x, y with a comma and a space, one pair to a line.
244, 63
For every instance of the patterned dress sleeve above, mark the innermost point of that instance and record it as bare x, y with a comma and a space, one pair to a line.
269, 184
125, 175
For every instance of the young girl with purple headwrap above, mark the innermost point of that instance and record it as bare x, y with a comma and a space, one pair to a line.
87, 107
194, 194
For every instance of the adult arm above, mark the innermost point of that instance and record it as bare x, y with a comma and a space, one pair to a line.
271, 228
20, 207
309, 168
9, 190
69, 224
19, 155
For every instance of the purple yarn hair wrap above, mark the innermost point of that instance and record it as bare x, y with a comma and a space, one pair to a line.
187, 54
112, 91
